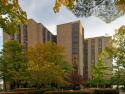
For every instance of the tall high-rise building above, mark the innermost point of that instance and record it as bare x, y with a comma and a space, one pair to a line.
70, 36
92, 48
83, 54
31, 34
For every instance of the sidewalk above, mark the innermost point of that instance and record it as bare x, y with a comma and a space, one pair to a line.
122, 92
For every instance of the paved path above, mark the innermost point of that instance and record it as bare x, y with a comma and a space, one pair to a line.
122, 93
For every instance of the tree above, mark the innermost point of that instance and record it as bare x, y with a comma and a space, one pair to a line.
99, 72
11, 15
67, 3
104, 9
121, 5
118, 54
13, 64
118, 77
75, 79
47, 64
119, 46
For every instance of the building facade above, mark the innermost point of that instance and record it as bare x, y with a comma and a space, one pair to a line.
92, 49
31, 34
82, 53
70, 36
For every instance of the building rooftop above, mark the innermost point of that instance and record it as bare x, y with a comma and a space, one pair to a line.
70, 22
99, 37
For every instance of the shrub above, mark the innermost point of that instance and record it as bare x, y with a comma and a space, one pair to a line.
66, 92
27, 91
106, 91
45, 91
89, 91
23, 92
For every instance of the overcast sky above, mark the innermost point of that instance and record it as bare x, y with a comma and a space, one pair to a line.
42, 11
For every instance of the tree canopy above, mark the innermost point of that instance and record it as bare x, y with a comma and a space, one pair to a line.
117, 52
11, 15
107, 10
119, 47
13, 63
99, 72
47, 64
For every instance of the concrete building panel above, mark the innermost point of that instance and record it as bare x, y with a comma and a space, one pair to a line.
95, 46
64, 38
70, 36
31, 34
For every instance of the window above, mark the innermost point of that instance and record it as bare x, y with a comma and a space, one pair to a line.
12, 37
85, 57
19, 34
25, 37
92, 51
75, 38
99, 45
48, 35
75, 61
44, 35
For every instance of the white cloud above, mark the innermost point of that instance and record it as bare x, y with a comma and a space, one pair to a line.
42, 11
1, 39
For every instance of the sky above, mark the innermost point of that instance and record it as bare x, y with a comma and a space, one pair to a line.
42, 11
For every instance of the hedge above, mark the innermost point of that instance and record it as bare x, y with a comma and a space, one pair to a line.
45, 91
96, 91
27, 91
23, 92
106, 91
67, 92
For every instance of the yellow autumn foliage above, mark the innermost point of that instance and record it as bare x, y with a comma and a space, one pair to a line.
67, 3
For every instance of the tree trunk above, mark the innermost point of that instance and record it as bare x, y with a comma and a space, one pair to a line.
97, 85
117, 87
4, 85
